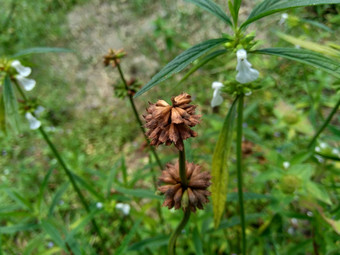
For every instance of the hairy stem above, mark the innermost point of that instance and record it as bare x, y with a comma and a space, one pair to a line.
132, 102
239, 171
325, 124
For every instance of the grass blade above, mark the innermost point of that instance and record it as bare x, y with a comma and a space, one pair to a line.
122, 248
39, 50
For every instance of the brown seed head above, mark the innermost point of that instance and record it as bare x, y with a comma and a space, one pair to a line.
171, 124
113, 57
196, 190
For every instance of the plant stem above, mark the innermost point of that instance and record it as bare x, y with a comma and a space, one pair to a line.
182, 170
325, 124
132, 102
239, 171
63, 165
153, 151
184, 181
177, 232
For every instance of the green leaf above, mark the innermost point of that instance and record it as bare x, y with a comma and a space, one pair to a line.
141, 193
197, 242
17, 228
220, 165
202, 62
237, 5
38, 50
54, 234
11, 106
317, 191
213, 8
268, 7
323, 49
33, 244
43, 187
307, 57
2, 115
181, 61
248, 196
122, 248
152, 242
56, 198
89, 187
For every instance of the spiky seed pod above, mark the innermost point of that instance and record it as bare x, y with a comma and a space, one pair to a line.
174, 191
171, 124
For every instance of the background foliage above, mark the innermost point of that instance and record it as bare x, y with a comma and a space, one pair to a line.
289, 211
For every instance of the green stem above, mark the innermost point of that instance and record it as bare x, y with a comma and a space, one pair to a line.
182, 170
63, 165
325, 124
153, 151
132, 102
70, 176
239, 171
173, 238
184, 181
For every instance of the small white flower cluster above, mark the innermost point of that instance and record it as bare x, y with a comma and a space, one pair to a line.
28, 84
124, 208
23, 73
245, 74
33, 121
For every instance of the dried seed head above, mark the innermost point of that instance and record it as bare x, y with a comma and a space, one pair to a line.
171, 124
113, 57
192, 196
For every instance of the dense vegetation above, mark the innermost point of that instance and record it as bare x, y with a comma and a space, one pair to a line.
290, 169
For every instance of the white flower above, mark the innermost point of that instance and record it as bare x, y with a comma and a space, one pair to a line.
217, 98
286, 164
124, 208
245, 73
323, 145
335, 151
39, 110
34, 123
22, 70
284, 17
21, 77
99, 205
317, 149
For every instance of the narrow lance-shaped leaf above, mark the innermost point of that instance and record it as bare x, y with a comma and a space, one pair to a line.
38, 50
237, 5
220, 165
268, 7
213, 8
181, 61
305, 56
2, 115
202, 62
11, 106
323, 49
